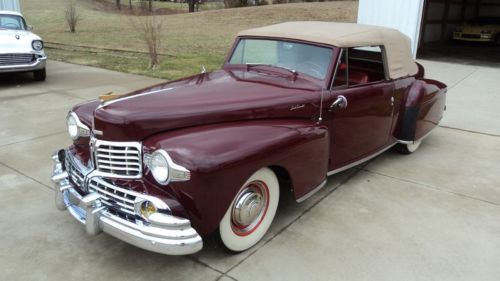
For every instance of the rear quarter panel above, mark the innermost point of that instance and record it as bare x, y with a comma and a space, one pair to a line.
422, 109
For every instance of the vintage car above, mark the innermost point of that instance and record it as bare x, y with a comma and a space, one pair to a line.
20, 49
481, 29
210, 154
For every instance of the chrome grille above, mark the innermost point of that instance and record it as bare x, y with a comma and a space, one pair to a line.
76, 171
10, 59
118, 200
118, 159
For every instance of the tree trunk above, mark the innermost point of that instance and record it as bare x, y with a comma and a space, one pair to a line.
191, 4
150, 5
130, 4
118, 5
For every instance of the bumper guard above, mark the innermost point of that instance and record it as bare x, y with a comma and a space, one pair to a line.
165, 234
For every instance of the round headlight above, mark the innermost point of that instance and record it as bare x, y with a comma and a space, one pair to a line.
72, 127
37, 45
159, 166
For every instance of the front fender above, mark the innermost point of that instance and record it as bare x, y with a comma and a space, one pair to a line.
222, 157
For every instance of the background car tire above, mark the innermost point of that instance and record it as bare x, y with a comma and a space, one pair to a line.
408, 148
39, 75
236, 236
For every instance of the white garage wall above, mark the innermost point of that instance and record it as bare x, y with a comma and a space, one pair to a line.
402, 15
10, 5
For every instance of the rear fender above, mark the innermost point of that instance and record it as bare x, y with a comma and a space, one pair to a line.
222, 157
422, 109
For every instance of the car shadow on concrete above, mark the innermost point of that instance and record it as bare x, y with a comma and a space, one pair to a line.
14, 79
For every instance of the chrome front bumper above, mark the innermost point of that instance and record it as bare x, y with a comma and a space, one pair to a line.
38, 64
165, 234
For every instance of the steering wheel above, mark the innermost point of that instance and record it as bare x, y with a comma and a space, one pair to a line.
314, 67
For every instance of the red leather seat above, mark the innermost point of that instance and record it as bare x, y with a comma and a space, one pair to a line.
355, 77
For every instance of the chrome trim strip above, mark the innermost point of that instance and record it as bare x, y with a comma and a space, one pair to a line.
316, 189
359, 161
132, 96
310, 193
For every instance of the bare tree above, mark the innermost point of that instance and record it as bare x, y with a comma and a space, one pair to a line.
150, 28
72, 16
193, 5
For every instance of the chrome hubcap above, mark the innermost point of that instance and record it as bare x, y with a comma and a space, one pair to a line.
249, 208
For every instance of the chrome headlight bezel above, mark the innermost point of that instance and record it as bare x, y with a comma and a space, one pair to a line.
76, 129
170, 172
37, 45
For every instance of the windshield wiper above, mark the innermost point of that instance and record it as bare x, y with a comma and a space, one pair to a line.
293, 71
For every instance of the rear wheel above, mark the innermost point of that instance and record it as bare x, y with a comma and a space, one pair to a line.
251, 213
408, 148
40, 75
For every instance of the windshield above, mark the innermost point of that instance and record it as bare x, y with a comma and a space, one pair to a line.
12, 22
303, 58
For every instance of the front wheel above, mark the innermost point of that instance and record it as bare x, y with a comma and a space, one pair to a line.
40, 75
251, 213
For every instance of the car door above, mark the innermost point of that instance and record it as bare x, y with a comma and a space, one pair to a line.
359, 109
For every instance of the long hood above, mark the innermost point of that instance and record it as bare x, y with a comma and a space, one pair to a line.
16, 41
220, 96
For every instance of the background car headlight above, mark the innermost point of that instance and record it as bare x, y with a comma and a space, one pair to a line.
159, 166
37, 45
76, 129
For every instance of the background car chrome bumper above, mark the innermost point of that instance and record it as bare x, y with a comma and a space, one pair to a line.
165, 234
38, 64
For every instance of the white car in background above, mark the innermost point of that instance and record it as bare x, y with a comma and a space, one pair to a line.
20, 49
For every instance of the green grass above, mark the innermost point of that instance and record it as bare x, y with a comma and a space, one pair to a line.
190, 40
175, 6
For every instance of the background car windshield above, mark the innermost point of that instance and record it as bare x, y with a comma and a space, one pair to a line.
304, 58
11, 22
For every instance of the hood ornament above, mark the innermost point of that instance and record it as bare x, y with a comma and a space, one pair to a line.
109, 97
17, 36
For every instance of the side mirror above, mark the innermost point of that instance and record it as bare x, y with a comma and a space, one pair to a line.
30, 27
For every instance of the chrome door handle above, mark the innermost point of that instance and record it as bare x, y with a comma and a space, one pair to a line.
340, 102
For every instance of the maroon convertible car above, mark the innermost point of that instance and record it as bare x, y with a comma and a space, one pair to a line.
295, 102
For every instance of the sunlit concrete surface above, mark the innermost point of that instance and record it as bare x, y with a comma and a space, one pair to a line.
432, 215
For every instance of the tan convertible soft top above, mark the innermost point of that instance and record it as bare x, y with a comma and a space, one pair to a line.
397, 45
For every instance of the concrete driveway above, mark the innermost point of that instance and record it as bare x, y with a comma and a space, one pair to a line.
433, 215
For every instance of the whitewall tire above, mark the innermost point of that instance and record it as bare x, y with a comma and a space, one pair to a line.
408, 148
252, 211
